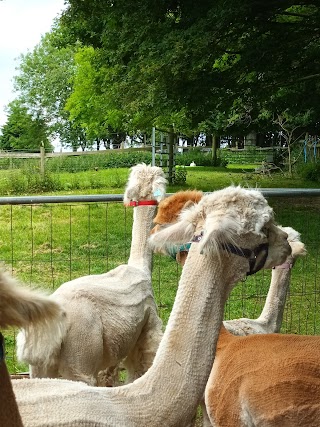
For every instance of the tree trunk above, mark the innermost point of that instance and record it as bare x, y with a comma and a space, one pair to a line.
171, 142
215, 146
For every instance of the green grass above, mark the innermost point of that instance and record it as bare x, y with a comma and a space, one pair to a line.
47, 245
214, 178
111, 181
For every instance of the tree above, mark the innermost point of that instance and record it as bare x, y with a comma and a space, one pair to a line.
88, 105
217, 63
22, 131
292, 130
44, 82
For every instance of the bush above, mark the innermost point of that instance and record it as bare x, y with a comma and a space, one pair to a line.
30, 181
248, 156
106, 160
309, 171
200, 158
180, 176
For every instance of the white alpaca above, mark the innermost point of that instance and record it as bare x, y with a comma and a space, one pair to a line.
271, 317
169, 392
107, 317
23, 307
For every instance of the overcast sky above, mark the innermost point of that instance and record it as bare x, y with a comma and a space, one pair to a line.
22, 22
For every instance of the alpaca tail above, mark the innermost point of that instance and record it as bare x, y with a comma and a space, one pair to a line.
38, 315
23, 307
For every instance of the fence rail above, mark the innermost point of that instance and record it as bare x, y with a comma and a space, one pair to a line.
100, 198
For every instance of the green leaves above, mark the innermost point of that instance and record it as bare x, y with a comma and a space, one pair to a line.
223, 67
23, 131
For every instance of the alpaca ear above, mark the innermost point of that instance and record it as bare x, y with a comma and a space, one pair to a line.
298, 249
218, 231
179, 233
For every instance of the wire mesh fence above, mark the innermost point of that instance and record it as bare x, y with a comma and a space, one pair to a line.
46, 241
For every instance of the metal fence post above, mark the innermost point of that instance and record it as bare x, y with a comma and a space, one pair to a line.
42, 159
153, 145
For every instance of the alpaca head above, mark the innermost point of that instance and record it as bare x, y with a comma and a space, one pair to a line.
234, 217
145, 183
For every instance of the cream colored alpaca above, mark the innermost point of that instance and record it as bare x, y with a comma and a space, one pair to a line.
107, 317
169, 392
23, 307
20, 307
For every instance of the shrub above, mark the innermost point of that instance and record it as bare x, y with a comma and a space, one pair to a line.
248, 156
106, 160
180, 176
200, 158
309, 171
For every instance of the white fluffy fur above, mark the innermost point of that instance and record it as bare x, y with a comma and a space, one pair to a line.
24, 307
223, 225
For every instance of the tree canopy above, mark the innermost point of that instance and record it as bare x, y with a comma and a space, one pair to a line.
218, 63
43, 82
22, 131
221, 67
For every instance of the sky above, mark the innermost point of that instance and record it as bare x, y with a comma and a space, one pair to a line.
22, 23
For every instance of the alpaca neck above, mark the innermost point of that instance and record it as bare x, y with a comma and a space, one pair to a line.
175, 383
140, 252
273, 309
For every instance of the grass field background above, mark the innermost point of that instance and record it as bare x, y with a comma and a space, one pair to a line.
46, 245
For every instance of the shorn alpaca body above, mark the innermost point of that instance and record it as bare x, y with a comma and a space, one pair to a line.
107, 317
169, 392
268, 322
270, 380
18, 307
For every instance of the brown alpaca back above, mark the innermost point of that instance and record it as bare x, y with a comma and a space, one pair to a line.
270, 380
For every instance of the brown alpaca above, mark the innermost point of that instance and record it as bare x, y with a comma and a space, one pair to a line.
169, 210
9, 413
